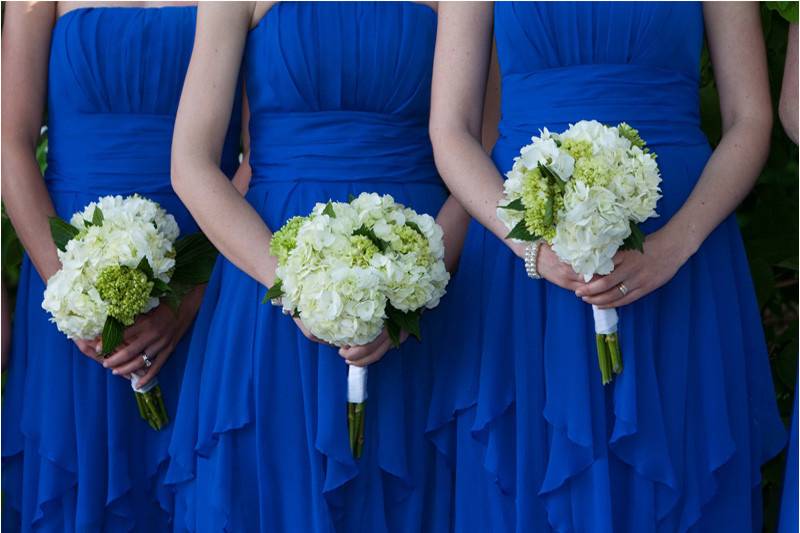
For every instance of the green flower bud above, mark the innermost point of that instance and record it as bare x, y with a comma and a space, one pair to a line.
285, 239
631, 134
125, 290
362, 251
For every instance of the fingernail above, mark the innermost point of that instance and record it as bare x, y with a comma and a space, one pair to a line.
114, 372
105, 365
585, 299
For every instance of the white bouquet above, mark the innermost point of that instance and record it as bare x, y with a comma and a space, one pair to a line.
119, 258
351, 269
584, 191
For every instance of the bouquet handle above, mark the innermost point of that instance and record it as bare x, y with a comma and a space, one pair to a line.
150, 402
609, 356
356, 400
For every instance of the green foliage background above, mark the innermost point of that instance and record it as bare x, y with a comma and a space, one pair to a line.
768, 218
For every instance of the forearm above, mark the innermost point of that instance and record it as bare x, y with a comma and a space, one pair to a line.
227, 219
726, 180
789, 90
471, 177
29, 206
454, 221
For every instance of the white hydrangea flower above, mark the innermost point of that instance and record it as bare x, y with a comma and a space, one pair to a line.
132, 228
340, 280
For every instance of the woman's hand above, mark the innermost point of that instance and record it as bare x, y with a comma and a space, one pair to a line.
549, 266
370, 353
641, 273
154, 334
307, 333
90, 348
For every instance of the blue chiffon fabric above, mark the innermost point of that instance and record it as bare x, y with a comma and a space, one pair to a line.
789, 503
339, 96
519, 411
76, 454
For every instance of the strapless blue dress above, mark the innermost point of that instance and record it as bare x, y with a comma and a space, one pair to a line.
76, 454
339, 98
537, 443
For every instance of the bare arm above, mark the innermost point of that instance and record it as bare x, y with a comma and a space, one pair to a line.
25, 54
788, 103
461, 63
459, 92
740, 70
203, 115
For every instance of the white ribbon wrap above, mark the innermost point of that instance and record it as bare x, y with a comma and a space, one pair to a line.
605, 320
356, 384
147, 388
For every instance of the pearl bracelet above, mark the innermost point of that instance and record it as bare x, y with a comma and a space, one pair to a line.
531, 255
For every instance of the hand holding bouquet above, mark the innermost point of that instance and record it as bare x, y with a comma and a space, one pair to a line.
584, 191
350, 269
119, 258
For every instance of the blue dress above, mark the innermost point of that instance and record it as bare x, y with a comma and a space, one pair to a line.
789, 516
339, 98
537, 443
76, 454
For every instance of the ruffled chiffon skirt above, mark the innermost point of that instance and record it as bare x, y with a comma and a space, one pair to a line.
76, 454
674, 444
262, 443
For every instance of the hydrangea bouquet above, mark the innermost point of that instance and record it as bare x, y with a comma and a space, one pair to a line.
584, 191
119, 258
351, 269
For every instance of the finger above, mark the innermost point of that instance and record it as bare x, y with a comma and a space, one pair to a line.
604, 283
374, 356
631, 297
128, 368
358, 353
126, 353
151, 372
606, 298
137, 363
354, 353
152, 352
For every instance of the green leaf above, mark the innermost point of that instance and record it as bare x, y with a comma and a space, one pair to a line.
368, 233
350, 197
547, 173
635, 240
407, 321
415, 227
520, 232
62, 232
160, 288
329, 210
787, 10
112, 335
514, 205
276, 291
195, 257
97, 217
548, 208
393, 329
144, 266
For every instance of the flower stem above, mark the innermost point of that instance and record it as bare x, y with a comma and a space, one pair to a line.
155, 412
603, 359
355, 426
612, 340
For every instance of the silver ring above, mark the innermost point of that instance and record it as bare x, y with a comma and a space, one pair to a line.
623, 289
147, 361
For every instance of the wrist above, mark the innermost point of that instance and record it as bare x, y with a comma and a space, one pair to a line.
678, 243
